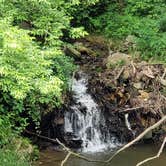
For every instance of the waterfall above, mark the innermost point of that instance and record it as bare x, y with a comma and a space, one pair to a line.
85, 119
128, 125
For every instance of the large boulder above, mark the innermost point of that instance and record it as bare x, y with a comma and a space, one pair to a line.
117, 59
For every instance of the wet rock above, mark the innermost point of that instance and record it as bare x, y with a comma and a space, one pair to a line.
148, 135
59, 120
77, 76
83, 109
73, 141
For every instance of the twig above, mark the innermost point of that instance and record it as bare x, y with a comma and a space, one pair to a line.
154, 157
41, 136
120, 72
66, 158
134, 69
60, 143
130, 109
164, 74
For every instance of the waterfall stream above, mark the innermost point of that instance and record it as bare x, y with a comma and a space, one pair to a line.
85, 119
128, 125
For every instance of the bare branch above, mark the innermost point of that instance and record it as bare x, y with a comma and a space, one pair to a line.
131, 109
66, 158
154, 157
120, 72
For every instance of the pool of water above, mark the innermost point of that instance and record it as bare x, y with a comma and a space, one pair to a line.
129, 157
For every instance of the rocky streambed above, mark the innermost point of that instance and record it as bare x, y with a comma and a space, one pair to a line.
127, 93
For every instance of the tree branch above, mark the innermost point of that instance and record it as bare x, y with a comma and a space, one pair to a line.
154, 157
66, 158
131, 109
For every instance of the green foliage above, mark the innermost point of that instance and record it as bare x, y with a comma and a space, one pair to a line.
6, 133
14, 150
26, 72
34, 72
162, 24
150, 8
143, 19
46, 19
24, 67
10, 158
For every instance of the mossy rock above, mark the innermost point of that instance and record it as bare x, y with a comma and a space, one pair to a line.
84, 50
117, 59
72, 52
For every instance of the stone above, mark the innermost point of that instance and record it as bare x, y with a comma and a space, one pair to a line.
130, 41
73, 141
71, 51
148, 135
117, 59
126, 74
138, 85
82, 49
59, 121
163, 81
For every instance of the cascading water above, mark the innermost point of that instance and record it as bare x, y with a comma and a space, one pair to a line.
85, 119
128, 125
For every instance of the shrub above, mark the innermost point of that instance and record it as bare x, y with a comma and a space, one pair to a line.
162, 24
10, 158
143, 19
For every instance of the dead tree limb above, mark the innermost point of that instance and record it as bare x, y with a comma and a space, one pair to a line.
66, 158
41, 136
154, 157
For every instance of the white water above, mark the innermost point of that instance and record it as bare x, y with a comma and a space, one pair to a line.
86, 124
128, 125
